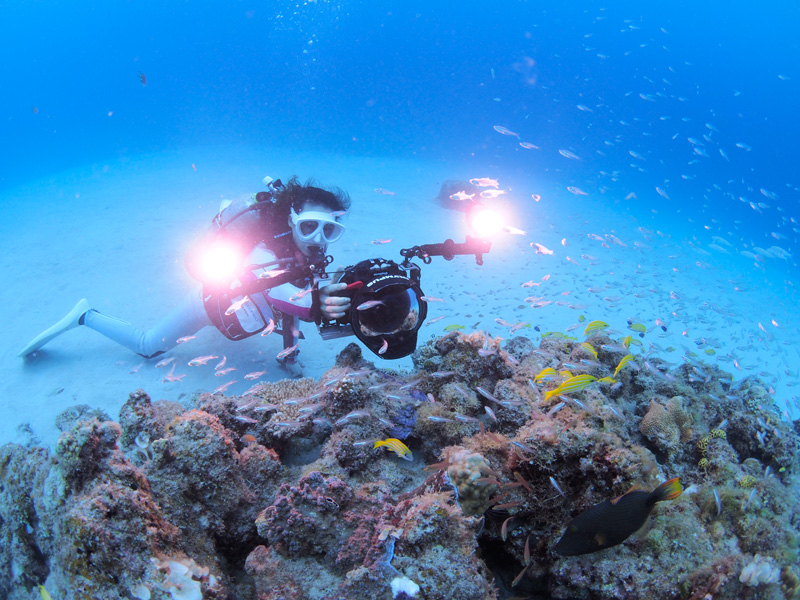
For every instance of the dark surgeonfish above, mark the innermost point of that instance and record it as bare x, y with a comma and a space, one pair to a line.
612, 521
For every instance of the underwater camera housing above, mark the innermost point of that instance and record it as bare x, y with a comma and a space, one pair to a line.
386, 309
387, 303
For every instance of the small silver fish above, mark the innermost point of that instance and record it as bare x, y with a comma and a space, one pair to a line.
200, 360
286, 352
437, 419
369, 304
236, 306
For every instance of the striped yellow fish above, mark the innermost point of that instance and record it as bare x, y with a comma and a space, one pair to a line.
565, 373
637, 327
594, 327
607, 379
625, 360
545, 374
395, 446
590, 349
557, 335
627, 341
573, 384
44, 593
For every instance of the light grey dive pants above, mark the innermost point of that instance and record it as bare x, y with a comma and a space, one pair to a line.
187, 318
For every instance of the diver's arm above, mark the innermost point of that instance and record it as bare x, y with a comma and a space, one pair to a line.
291, 300
307, 305
333, 307
287, 298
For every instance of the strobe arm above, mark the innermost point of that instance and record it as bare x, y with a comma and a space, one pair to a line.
449, 250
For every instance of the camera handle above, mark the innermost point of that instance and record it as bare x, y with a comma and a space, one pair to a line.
292, 273
448, 250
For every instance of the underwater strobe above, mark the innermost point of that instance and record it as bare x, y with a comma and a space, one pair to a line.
387, 303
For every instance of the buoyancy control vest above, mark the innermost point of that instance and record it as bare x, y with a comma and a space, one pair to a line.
241, 308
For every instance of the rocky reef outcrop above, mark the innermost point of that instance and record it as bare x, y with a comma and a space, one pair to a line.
280, 493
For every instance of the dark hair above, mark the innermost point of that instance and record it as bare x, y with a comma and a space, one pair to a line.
295, 195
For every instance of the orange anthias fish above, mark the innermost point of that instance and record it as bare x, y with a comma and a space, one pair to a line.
142, 78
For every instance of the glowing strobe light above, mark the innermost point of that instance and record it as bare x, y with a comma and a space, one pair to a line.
482, 221
220, 264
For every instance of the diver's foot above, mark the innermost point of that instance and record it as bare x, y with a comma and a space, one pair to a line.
292, 367
70, 320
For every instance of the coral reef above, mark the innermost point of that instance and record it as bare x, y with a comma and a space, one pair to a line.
666, 427
468, 472
761, 571
279, 493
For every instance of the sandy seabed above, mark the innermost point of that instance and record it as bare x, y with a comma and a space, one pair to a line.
116, 233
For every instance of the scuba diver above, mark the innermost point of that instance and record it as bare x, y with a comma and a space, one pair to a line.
255, 267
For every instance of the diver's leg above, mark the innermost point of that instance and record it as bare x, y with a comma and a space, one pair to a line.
185, 319
70, 321
291, 337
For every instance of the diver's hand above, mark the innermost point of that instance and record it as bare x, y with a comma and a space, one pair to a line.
333, 307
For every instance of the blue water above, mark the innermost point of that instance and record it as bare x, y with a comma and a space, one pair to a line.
399, 77
646, 98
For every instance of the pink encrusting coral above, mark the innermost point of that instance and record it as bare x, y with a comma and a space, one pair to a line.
281, 493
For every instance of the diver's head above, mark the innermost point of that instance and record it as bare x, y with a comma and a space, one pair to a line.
313, 214
313, 228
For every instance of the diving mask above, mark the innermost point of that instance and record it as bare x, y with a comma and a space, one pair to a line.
316, 227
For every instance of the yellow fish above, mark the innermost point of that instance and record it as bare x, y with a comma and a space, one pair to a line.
637, 327
627, 341
581, 319
565, 373
594, 327
590, 349
573, 384
607, 379
625, 360
545, 374
556, 334
44, 593
395, 446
